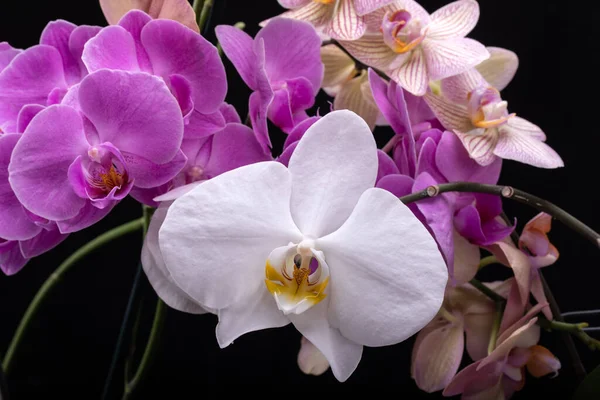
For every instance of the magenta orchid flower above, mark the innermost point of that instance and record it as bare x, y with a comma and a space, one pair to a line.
7, 53
22, 234
414, 48
459, 222
42, 74
282, 65
72, 165
339, 19
477, 114
188, 63
177, 10
501, 373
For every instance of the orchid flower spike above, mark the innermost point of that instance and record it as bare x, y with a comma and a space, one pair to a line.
414, 48
314, 244
474, 110
339, 19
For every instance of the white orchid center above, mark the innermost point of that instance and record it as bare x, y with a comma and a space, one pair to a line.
401, 31
299, 281
486, 108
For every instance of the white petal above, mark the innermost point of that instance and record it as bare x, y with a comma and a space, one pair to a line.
450, 57
345, 23
452, 115
387, 276
367, 6
176, 193
313, 12
500, 68
371, 50
310, 359
456, 88
257, 312
156, 270
413, 75
480, 143
454, 20
343, 354
216, 238
339, 67
333, 164
525, 146
352, 97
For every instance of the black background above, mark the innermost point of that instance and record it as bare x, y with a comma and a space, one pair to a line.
68, 350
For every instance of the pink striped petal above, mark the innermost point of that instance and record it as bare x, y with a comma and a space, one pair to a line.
509, 255
315, 13
453, 116
525, 145
500, 68
374, 19
371, 50
480, 143
413, 75
456, 88
450, 57
364, 7
345, 23
293, 3
339, 67
454, 20
351, 97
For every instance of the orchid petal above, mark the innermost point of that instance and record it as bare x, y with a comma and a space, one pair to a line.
413, 75
310, 360
364, 7
57, 34
112, 48
437, 357
466, 259
372, 50
315, 13
357, 260
386, 165
538, 293
176, 193
87, 216
345, 23
476, 383
453, 116
251, 206
45, 241
525, 146
134, 22
333, 164
339, 67
299, 131
351, 97
481, 144
289, 102
292, 3
203, 125
342, 354
178, 10
7, 53
11, 259
445, 58
478, 328
453, 20
14, 221
152, 129
26, 115
523, 337
500, 68
41, 159
514, 258
169, 46
147, 174
80, 36
457, 88
237, 46
542, 362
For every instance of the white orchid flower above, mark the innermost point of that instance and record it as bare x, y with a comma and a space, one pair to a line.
313, 244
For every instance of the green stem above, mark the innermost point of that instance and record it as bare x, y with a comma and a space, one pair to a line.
496, 326
204, 14
573, 329
509, 193
51, 282
488, 261
150, 351
197, 6
487, 291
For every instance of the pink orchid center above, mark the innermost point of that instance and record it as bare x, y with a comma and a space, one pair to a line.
195, 174
486, 108
104, 172
299, 282
401, 32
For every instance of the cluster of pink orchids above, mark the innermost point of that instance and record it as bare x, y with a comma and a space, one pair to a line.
315, 236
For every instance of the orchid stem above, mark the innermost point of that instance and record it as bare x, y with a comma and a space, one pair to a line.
359, 64
509, 193
197, 6
206, 7
487, 261
496, 326
151, 348
576, 330
56, 276
487, 291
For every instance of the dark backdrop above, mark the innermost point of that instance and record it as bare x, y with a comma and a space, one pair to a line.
68, 351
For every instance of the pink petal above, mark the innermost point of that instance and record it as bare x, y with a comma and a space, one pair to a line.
438, 357
371, 50
87, 216
293, 3
178, 10
456, 88
80, 36
525, 336
45, 241
454, 20
453, 116
478, 328
346, 24
511, 256
237, 46
364, 7
112, 48
134, 22
314, 12
464, 379
57, 34
450, 57
11, 258
481, 144
147, 174
466, 259
413, 75
500, 68
7, 53
525, 146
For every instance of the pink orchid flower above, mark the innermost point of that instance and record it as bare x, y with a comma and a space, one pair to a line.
475, 111
339, 19
414, 48
534, 252
177, 10
501, 373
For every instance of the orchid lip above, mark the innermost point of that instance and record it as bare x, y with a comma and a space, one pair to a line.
492, 123
401, 32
